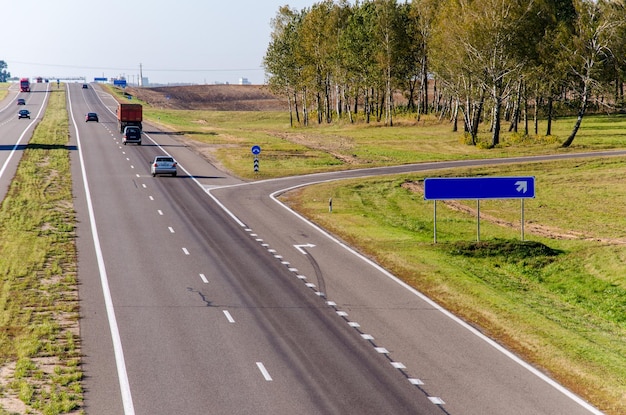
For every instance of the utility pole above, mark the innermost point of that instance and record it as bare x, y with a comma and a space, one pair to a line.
140, 75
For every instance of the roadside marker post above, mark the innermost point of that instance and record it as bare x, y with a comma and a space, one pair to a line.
452, 188
256, 150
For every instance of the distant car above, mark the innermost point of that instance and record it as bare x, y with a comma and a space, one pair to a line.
163, 165
91, 116
85, 86
132, 134
23, 114
21, 101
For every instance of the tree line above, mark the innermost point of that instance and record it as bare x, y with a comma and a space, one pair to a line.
473, 61
4, 74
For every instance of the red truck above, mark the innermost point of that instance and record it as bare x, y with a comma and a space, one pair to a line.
129, 115
24, 85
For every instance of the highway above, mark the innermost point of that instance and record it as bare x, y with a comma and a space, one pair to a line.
201, 294
16, 132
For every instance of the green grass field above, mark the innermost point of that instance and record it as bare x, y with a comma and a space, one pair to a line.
4, 89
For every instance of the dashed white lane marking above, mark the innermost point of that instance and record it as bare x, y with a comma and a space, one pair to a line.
160, 212
171, 229
151, 198
228, 316
185, 251
436, 401
264, 371
203, 278
397, 365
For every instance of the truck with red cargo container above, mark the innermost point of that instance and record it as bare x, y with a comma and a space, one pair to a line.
129, 115
24, 85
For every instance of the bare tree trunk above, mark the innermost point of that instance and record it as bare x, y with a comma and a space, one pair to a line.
455, 116
367, 105
388, 100
525, 112
290, 110
549, 117
424, 100
517, 108
581, 114
305, 110
318, 104
536, 115
478, 112
295, 102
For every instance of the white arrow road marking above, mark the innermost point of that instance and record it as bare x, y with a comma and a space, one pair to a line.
522, 186
301, 248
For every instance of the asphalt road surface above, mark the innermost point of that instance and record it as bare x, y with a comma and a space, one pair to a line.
15, 133
200, 294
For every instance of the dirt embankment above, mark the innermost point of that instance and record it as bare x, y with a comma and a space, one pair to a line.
211, 97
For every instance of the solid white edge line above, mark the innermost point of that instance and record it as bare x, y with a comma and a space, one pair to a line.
571, 395
122, 375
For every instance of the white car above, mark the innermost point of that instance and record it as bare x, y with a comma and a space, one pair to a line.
163, 165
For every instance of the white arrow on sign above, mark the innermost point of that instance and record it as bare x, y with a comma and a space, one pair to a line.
300, 248
522, 186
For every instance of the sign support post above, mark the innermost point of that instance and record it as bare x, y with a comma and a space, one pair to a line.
478, 220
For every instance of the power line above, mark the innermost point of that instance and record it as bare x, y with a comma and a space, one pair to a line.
135, 68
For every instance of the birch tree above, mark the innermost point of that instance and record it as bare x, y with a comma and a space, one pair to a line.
596, 25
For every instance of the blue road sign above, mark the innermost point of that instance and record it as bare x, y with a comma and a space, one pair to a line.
443, 188
256, 150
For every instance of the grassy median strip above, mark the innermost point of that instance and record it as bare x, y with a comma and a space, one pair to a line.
4, 89
39, 337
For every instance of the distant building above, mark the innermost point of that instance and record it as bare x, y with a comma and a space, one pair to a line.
244, 81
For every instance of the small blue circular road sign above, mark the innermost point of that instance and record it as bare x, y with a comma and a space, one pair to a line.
256, 150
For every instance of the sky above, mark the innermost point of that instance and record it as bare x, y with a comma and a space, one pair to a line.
176, 41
